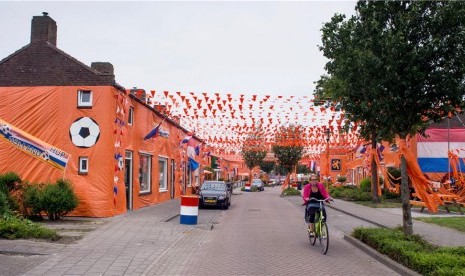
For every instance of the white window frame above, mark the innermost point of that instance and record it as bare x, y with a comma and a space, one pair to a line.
82, 103
163, 173
83, 165
131, 116
148, 179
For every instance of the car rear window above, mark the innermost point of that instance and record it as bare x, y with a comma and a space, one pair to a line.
214, 186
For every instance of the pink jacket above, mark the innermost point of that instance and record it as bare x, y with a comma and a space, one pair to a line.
307, 191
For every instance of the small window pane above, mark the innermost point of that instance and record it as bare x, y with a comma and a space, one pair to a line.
131, 116
83, 164
145, 169
84, 98
163, 167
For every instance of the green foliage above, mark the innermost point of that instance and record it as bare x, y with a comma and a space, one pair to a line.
391, 64
304, 169
253, 158
9, 182
31, 200
341, 179
349, 193
365, 185
288, 156
267, 166
4, 204
15, 228
291, 192
58, 199
414, 252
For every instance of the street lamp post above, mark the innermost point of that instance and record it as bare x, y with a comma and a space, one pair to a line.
328, 134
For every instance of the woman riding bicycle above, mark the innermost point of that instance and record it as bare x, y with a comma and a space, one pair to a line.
316, 190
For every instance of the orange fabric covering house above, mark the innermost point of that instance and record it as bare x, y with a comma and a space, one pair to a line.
98, 126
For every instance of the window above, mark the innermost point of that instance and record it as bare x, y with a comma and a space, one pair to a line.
84, 98
131, 116
83, 164
145, 169
163, 168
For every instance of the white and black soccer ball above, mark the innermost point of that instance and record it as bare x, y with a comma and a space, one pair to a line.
120, 163
6, 129
84, 132
45, 156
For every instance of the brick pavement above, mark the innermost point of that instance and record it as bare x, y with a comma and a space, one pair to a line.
143, 243
264, 234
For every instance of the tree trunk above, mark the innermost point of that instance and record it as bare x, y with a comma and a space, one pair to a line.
405, 196
374, 174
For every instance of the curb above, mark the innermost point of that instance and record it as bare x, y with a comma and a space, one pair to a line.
359, 217
402, 270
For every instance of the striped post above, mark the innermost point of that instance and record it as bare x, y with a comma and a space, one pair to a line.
189, 209
247, 186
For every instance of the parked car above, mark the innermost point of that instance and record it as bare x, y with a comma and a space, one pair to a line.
215, 193
259, 184
272, 182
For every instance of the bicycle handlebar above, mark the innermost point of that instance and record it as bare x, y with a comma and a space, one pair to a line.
320, 200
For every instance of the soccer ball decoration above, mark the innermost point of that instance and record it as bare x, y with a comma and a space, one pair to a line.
120, 163
84, 132
6, 130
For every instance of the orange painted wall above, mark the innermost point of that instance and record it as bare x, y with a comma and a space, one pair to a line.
48, 112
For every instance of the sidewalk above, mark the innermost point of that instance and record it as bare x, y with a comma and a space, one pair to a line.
392, 217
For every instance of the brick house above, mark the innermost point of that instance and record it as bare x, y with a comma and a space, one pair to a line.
55, 110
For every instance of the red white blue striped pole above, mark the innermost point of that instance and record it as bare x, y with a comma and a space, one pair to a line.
189, 209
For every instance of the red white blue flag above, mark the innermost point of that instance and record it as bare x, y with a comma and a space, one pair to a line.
432, 150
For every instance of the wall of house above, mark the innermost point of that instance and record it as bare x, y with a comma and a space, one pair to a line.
47, 113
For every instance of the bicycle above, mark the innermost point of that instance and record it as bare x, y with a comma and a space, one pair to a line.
321, 228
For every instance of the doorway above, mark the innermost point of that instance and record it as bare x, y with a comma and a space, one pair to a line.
128, 166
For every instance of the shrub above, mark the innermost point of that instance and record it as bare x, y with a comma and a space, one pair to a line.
31, 200
15, 228
290, 192
4, 205
58, 199
390, 195
414, 252
10, 182
341, 179
365, 185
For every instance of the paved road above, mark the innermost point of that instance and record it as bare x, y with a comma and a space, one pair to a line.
264, 234
261, 234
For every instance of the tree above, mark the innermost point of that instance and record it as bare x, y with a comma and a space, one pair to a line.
288, 148
267, 167
396, 66
253, 152
303, 169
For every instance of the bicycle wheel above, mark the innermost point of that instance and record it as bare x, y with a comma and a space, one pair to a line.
324, 238
310, 237
315, 235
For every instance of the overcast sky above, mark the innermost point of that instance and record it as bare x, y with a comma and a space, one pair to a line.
264, 48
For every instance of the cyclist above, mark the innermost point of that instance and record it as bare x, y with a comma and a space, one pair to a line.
316, 190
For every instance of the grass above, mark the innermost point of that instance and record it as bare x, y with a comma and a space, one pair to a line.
16, 228
457, 223
386, 203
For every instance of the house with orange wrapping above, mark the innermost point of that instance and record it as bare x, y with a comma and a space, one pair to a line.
438, 153
62, 118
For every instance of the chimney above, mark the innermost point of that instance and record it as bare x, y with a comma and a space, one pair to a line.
44, 28
104, 68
